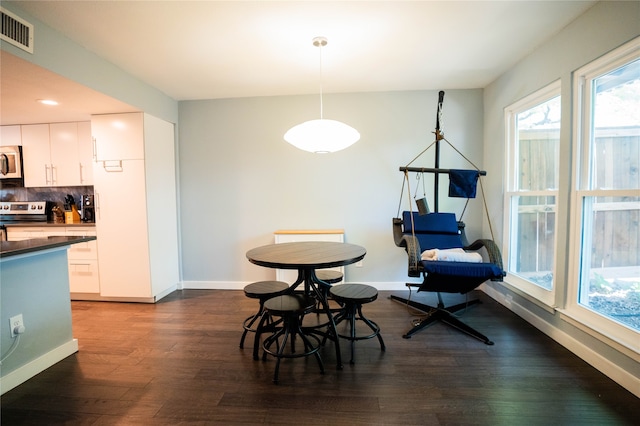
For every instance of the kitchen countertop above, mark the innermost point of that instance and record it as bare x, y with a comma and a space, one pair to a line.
47, 224
14, 248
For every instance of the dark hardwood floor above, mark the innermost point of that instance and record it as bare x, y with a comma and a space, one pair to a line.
178, 362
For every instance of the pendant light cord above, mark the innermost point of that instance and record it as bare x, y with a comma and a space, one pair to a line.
320, 42
321, 105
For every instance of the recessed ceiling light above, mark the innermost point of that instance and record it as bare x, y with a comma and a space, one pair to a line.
47, 101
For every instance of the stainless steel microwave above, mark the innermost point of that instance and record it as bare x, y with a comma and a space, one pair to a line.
10, 162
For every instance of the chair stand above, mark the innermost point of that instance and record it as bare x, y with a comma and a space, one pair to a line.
439, 313
352, 297
261, 290
329, 277
290, 309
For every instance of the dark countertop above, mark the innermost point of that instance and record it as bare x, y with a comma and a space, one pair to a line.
47, 224
14, 248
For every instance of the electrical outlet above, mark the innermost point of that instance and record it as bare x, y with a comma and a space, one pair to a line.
17, 324
359, 264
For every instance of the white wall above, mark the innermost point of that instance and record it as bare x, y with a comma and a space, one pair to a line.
240, 181
601, 29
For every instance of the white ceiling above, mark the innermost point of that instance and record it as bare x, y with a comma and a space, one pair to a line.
224, 49
22, 84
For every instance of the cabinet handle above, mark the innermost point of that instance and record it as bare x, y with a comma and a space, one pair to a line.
95, 149
80, 169
97, 204
85, 266
46, 174
112, 166
54, 177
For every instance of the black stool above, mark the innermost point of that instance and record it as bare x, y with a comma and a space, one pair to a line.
352, 297
261, 290
329, 276
291, 308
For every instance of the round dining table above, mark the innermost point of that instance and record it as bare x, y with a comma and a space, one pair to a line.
307, 257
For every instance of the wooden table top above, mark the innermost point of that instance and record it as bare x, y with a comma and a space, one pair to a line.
306, 255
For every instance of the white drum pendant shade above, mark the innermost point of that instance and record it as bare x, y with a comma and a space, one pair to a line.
322, 136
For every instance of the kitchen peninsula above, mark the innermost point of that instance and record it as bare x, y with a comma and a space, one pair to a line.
34, 283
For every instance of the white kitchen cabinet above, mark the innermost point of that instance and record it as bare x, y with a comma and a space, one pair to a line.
19, 233
10, 136
84, 281
136, 211
85, 153
122, 231
118, 136
295, 235
50, 155
36, 155
84, 277
65, 162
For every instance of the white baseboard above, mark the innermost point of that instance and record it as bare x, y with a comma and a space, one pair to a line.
166, 292
38, 365
226, 285
600, 363
213, 285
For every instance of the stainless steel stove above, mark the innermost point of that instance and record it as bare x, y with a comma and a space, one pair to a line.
12, 212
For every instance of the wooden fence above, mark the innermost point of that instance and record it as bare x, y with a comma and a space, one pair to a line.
615, 222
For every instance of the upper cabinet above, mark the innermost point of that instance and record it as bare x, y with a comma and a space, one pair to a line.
65, 162
57, 154
10, 136
118, 136
85, 153
36, 155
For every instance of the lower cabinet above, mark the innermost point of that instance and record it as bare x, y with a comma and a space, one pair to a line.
83, 265
84, 280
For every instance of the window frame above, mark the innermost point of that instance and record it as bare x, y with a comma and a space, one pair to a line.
583, 191
546, 296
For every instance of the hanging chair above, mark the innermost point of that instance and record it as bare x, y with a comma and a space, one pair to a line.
437, 248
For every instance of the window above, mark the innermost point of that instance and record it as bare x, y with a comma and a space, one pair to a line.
607, 195
533, 141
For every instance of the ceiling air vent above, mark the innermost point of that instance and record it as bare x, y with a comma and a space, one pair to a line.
16, 31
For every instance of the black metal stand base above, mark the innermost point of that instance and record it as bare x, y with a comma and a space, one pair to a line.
439, 313
290, 329
352, 313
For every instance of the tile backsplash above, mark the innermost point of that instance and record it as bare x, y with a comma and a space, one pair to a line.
55, 195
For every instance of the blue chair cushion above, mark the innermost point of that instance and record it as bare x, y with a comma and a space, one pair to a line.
432, 223
440, 230
456, 277
434, 230
462, 269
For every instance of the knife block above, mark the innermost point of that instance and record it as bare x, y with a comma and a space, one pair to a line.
72, 216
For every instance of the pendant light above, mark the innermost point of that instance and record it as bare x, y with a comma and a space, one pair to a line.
321, 135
